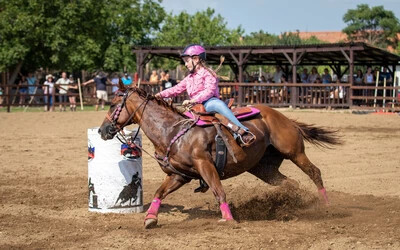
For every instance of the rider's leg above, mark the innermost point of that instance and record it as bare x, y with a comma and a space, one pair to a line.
216, 105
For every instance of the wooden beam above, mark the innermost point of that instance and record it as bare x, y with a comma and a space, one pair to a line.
288, 57
345, 55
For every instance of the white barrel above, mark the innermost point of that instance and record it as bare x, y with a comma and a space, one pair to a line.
114, 177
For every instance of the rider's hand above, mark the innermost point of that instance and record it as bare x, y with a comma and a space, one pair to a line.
158, 96
187, 103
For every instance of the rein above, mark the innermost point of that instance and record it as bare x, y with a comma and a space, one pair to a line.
163, 161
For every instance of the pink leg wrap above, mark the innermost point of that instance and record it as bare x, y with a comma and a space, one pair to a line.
226, 212
153, 209
322, 191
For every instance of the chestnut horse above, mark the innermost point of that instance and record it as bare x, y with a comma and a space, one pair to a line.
191, 155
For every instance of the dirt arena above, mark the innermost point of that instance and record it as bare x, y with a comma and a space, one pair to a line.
43, 188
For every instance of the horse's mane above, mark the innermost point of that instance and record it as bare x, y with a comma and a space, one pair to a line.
142, 93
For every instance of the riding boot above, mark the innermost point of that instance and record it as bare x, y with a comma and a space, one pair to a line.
246, 137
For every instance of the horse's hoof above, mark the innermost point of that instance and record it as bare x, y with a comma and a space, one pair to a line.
230, 221
150, 223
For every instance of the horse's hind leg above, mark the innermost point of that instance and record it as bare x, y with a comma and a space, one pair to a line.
268, 168
302, 161
170, 184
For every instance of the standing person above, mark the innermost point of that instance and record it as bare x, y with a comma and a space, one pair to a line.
127, 80
202, 87
1, 97
72, 91
31, 79
63, 84
114, 82
23, 91
154, 77
304, 76
278, 75
166, 82
100, 81
48, 98
313, 76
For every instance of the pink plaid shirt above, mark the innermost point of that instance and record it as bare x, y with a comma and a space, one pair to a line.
200, 86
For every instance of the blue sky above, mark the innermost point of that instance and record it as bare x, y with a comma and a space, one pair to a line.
277, 16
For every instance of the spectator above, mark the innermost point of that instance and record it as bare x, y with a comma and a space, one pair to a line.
31, 79
100, 81
358, 79
23, 90
167, 83
127, 80
312, 77
63, 84
114, 82
72, 92
1, 97
48, 91
326, 77
153, 77
369, 77
385, 75
278, 75
304, 76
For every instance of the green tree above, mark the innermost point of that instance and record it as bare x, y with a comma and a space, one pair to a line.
260, 38
203, 27
74, 35
374, 25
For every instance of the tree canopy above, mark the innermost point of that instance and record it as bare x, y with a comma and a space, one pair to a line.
74, 35
374, 25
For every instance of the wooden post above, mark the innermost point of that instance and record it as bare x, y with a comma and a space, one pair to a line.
384, 94
376, 88
294, 99
240, 66
80, 93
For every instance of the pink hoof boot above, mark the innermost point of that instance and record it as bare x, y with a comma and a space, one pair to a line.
322, 191
151, 218
226, 212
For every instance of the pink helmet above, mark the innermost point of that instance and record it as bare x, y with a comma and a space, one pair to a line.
194, 50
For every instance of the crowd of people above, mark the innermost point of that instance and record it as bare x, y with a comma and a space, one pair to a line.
36, 88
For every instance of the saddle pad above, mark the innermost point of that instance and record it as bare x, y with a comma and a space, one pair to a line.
201, 123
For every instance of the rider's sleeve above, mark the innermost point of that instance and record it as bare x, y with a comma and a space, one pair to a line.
210, 87
175, 90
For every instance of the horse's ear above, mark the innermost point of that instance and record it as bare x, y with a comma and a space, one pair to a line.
121, 85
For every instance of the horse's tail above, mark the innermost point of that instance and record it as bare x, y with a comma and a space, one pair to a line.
319, 136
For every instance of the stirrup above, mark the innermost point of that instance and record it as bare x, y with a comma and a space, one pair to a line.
246, 144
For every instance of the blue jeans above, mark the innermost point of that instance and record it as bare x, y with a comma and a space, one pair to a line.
216, 105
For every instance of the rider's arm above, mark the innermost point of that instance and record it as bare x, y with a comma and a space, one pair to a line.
210, 87
174, 91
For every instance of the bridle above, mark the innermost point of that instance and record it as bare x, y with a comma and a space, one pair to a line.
113, 118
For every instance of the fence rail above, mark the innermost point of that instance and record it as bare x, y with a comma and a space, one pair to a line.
303, 95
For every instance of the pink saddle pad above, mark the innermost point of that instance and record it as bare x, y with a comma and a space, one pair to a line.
253, 112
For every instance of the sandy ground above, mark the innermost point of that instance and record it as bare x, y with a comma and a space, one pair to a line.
43, 188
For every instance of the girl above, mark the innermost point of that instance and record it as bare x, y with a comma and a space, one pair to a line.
202, 87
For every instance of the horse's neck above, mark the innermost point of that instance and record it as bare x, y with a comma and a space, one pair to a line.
157, 123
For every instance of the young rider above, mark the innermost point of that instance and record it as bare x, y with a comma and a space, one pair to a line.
202, 87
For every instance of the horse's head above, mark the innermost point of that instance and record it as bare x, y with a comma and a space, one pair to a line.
124, 110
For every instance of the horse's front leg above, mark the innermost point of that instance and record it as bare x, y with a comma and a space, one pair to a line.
210, 175
170, 184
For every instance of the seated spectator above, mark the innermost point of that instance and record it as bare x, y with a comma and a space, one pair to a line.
312, 77
126, 80
154, 77
304, 76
